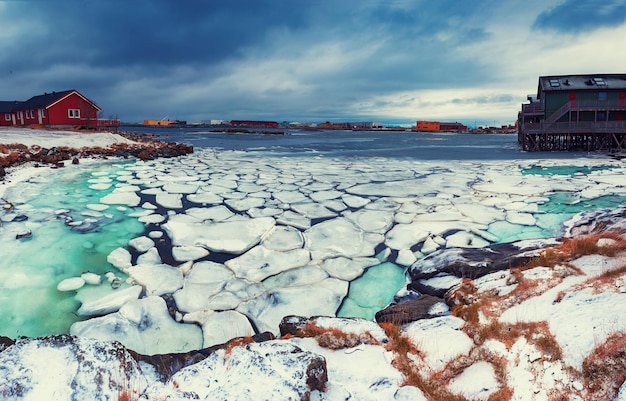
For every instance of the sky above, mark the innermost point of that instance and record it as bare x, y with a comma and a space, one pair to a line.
395, 61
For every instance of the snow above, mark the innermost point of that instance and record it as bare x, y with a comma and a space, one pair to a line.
476, 382
442, 337
67, 369
48, 139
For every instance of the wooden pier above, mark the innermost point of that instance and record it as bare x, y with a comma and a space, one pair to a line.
579, 136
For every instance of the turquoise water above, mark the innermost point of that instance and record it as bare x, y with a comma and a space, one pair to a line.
30, 271
564, 170
372, 291
569, 203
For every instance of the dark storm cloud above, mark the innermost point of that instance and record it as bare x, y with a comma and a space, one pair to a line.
275, 59
150, 32
582, 15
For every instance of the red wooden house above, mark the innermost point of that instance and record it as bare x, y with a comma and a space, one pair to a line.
66, 108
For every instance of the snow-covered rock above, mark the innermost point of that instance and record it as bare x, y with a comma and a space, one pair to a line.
68, 368
271, 370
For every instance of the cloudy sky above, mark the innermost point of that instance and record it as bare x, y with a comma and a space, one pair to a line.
394, 61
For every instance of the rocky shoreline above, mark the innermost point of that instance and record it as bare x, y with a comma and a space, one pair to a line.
143, 147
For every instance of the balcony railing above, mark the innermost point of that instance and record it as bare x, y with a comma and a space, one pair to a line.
110, 122
600, 105
619, 104
575, 127
532, 108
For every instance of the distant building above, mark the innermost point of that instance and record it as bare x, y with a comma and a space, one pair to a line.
427, 126
66, 108
329, 125
452, 127
361, 125
575, 112
253, 123
164, 123
436, 126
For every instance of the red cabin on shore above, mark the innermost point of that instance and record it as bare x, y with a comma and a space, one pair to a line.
66, 108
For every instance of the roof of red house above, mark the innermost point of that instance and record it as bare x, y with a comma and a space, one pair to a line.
40, 101
7, 106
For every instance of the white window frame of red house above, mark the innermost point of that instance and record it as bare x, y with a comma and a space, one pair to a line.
43, 113
73, 113
30, 114
7, 116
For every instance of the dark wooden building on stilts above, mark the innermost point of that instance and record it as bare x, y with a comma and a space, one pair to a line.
575, 112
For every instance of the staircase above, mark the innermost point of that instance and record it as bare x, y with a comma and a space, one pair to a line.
554, 117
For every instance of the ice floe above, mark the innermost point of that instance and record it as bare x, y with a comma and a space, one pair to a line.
143, 325
268, 236
229, 236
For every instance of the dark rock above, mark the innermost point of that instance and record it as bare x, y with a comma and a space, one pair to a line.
423, 288
408, 312
291, 324
476, 262
2, 172
316, 374
5, 342
407, 295
20, 218
75, 160
596, 221
24, 234
167, 365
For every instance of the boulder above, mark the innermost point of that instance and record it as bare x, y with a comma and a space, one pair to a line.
5, 342
595, 221
272, 370
411, 311
65, 367
475, 262
166, 365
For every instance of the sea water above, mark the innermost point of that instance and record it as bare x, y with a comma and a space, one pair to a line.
71, 236
66, 239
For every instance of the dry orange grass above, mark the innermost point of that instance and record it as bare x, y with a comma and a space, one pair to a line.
335, 339
605, 368
237, 342
434, 386
573, 248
